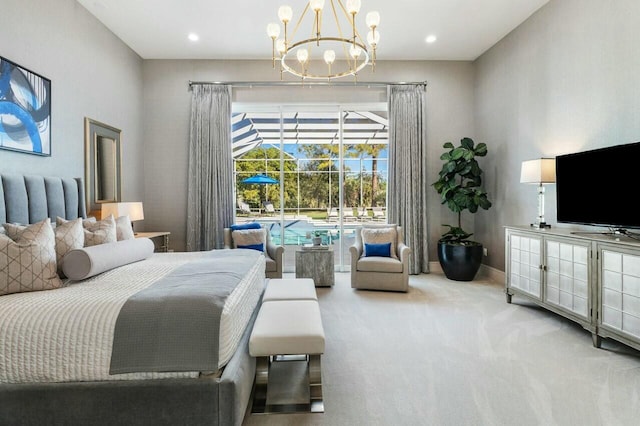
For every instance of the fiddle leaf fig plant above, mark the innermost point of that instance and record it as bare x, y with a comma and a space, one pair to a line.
460, 186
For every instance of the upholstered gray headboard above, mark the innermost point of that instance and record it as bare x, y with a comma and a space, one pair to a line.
30, 199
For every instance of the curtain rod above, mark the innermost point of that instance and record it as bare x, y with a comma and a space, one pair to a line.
307, 83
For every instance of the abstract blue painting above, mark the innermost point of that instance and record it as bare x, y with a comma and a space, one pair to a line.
25, 110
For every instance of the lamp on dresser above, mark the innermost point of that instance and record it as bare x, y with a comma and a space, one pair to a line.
132, 209
540, 171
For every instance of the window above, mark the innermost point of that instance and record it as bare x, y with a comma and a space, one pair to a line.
320, 169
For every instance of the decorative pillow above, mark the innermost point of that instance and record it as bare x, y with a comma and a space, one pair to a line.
124, 230
69, 235
100, 231
89, 261
248, 237
28, 258
380, 235
259, 247
249, 225
381, 250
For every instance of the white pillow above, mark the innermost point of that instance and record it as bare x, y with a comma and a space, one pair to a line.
381, 235
89, 261
28, 258
248, 237
99, 231
69, 235
124, 230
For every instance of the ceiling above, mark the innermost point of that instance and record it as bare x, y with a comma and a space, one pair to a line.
158, 29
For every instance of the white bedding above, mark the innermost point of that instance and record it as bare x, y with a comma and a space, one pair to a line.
66, 335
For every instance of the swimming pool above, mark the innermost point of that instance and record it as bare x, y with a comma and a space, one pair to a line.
300, 231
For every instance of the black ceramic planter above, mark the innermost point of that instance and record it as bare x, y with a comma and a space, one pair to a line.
460, 263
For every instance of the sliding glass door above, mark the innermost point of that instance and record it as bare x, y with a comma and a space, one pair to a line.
305, 171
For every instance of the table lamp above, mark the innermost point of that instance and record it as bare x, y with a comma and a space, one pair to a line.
132, 209
540, 171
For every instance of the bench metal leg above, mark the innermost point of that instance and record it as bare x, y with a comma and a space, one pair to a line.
260, 386
315, 384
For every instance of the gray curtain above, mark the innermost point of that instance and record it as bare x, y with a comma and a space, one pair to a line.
408, 184
210, 198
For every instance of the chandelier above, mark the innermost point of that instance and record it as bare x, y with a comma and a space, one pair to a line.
297, 57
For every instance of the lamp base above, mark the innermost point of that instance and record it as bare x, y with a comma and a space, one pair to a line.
540, 225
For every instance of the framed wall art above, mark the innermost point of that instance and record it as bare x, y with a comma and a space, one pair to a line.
25, 110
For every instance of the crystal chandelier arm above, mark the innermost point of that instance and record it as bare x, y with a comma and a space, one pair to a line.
335, 16
317, 6
284, 14
273, 31
295, 30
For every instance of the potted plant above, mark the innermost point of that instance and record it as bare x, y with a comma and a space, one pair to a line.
460, 188
317, 238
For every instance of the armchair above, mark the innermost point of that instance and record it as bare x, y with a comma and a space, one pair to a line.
273, 253
380, 273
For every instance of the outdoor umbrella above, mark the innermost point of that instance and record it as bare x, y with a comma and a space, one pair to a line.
260, 180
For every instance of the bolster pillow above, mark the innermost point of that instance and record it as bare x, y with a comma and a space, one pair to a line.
89, 261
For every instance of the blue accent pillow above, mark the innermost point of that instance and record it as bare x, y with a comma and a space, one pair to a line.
381, 250
250, 225
259, 247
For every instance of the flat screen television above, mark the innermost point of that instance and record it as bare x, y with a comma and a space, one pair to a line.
599, 187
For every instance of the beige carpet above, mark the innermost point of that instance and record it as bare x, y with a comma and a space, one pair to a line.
455, 353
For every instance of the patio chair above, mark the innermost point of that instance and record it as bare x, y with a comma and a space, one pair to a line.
332, 214
363, 214
244, 208
268, 208
347, 214
379, 215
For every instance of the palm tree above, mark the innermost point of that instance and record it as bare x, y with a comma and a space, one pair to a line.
372, 151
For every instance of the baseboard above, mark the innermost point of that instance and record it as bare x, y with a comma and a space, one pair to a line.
485, 272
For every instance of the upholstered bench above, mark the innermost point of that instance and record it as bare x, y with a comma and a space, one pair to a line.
287, 327
290, 289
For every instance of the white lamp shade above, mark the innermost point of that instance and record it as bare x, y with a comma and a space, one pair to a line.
302, 55
285, 13
353, 6
541, 170
316, 5
134, 210
280, 47
355, 51
329, 56
273, 30
373, 19
373, 38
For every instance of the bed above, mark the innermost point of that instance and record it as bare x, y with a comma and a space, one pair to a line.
56, 346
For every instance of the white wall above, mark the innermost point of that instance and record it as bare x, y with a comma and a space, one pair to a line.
93, 74
566, 80
166, 122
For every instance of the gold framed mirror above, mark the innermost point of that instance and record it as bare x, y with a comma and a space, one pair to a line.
103, 165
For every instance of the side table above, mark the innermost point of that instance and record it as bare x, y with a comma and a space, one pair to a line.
163, 246
316, 264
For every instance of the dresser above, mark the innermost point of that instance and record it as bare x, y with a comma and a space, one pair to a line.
591, 279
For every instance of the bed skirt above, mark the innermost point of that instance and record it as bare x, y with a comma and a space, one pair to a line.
204, 401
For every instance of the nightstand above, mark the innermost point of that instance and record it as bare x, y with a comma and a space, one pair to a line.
162, 236
316, 264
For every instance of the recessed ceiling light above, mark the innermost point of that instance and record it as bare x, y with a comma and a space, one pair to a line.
431, 39
193, 37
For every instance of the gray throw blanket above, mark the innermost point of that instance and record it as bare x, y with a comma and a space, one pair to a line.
173, 325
